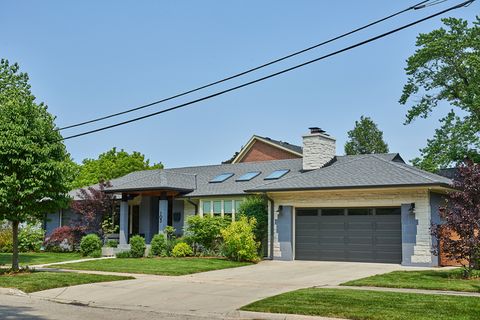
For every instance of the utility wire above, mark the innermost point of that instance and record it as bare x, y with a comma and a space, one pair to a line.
417, 6
465, 3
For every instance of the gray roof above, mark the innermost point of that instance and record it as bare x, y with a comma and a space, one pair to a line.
195, 181
359, 171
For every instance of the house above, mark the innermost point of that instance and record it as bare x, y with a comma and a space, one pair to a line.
368, 208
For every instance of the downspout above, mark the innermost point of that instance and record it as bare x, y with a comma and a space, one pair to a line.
272, 222
193, 204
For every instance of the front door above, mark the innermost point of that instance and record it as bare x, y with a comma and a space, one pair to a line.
133, 220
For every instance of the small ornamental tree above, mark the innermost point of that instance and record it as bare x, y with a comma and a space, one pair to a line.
459, 233
94, 206
34, 174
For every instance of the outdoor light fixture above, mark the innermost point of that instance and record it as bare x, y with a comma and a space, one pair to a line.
280, 209
411, 210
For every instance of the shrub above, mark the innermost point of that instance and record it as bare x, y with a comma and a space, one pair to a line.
182, 249
6, 239
30, 238
204, 232
256, 207
137, 246
239, 240
63, 239
112, 243
124, 254
91, 245
158, 245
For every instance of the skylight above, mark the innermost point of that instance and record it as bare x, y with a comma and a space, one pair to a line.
277, 174
248, 176
222, 177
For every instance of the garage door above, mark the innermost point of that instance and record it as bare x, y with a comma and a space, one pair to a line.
348, 234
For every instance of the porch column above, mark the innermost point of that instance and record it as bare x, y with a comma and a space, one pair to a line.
162, 213
123, 236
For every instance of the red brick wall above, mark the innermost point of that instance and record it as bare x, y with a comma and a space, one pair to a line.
261, 151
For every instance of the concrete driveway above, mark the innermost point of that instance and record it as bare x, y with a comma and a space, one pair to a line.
213, 294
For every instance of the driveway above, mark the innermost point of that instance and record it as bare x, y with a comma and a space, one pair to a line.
216, 293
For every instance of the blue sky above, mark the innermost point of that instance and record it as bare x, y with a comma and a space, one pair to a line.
90, 58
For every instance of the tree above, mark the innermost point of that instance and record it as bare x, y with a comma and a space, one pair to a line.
34, 174
445, 69
256, 207
110, 165
94, 207
459, 232
365, 138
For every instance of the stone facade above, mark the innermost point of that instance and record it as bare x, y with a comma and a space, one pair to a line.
318, 149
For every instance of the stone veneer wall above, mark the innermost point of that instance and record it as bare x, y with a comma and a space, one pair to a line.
318, 149
419, 250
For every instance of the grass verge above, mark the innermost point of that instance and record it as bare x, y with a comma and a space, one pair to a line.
158, 266
33, 258
37, 281
450, 280
369, 305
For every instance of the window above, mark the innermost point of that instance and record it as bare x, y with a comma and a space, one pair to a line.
387, 211
222, 177
277, 174
237, 205
333, 212
360, 212
207, 207
227, 207
217, 208
249, 176
307, 212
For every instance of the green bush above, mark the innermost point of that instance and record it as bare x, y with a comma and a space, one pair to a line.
124, 254
137, 246
30, 238
256, 207
112, 243
90, 245
239, 240
158, 245
204, 232
182, 249
6, 239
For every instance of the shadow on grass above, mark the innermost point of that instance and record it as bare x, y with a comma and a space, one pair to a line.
17, 313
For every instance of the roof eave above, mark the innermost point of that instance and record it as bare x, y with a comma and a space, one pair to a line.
119, 190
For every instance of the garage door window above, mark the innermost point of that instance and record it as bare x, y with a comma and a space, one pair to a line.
387, 211
333, 212
307, 212
360, 212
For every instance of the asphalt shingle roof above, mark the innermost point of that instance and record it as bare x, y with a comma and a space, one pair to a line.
375, 170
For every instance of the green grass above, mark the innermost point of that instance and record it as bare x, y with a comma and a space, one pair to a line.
37, 281
33, 258
159, 266
370, 305
430, 280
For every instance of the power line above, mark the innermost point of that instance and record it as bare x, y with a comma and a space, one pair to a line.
417, 6
465, 3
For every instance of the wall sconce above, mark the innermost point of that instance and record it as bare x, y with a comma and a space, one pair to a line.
411, 210
280, 209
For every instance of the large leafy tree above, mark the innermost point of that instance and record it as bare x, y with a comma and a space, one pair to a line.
459, 233
365, 138
110, 165
34, 173
445, 71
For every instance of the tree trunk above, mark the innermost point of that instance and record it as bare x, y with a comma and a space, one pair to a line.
15, 246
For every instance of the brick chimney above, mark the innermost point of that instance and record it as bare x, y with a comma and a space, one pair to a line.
318, 149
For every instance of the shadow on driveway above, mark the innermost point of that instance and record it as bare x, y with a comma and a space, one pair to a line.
17, 313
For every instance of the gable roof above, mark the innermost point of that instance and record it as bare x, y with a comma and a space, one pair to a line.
359, 171
291, 148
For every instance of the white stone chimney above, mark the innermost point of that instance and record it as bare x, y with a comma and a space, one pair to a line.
318, 149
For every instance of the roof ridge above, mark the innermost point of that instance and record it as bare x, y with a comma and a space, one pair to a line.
140, 178
406, 168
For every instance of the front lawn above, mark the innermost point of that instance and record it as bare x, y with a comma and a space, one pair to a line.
431, 280
369, 305
159, 266
37, 281
33, 258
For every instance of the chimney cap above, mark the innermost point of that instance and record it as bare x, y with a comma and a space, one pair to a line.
316, 130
